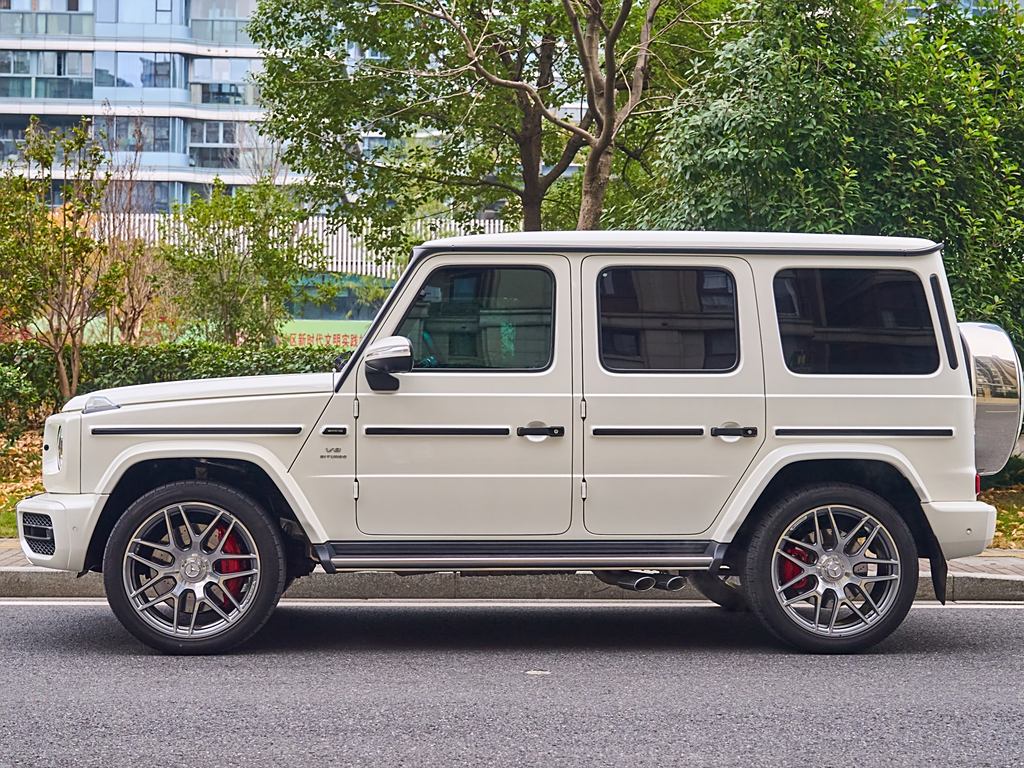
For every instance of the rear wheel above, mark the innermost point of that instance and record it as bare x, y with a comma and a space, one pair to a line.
831, 569
194, 567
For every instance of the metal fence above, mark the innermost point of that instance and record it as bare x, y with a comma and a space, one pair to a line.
345, 253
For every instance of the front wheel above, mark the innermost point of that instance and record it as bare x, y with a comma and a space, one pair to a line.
194, 567
831, 569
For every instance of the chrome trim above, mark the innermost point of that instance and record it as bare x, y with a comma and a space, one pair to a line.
398, 563
996, 384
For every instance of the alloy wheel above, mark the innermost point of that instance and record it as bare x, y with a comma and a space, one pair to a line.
191, 570
836, 571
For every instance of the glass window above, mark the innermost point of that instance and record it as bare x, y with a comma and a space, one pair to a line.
489, 318
106, 69
136, 12
674, 319
106, 11
228, 133
47, 63
855, 321
6, 62
16, 87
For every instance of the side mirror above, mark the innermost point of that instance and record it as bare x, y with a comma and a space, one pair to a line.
385, 357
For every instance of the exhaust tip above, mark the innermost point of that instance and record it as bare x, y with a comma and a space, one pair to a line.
670, 582
642, 583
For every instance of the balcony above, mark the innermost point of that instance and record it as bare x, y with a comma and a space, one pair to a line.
18, 24
45, 88
228, 31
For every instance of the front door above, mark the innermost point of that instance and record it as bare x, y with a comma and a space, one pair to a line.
674, 390
477, 440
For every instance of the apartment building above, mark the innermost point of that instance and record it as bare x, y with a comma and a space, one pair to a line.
167, 82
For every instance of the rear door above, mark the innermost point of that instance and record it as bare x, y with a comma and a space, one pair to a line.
674, 390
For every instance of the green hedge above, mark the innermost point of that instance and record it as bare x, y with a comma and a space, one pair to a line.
118, 365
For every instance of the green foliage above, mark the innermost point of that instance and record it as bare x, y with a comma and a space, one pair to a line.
237, 260
451, 139
18, 403
53, 275
828, 116
27, 382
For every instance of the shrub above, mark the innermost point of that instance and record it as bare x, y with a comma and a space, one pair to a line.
28, 382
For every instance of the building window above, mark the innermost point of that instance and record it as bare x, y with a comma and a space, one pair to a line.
483, 318
135, 133
139, 70
671, 319
855, 322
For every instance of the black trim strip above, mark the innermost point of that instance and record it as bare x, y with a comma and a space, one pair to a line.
648, 431
334, 431
520, 548
197, 430
947, 334
392, 431
884, 432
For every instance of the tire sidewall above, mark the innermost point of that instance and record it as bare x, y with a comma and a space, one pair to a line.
265, 536
757, 575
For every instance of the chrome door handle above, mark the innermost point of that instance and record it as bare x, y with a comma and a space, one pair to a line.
734, 431
540, 431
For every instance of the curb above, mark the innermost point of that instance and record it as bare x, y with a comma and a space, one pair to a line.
30, 581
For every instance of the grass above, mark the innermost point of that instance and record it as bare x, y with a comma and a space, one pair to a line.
20, 471
1009, 504
21, 465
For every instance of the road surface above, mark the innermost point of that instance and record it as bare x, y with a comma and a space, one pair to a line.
510, 684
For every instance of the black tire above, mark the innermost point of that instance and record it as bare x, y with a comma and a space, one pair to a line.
264, 535
757, 575
719, 591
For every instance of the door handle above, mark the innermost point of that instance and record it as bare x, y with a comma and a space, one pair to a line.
734, 431
540, 431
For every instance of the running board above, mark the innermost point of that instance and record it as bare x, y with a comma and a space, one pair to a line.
519, 554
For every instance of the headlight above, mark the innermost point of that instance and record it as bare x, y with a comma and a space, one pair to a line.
60, 447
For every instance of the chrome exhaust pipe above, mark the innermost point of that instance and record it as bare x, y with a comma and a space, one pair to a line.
669, 582
631, 580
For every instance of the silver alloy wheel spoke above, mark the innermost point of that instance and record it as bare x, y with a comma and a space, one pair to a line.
853, 580
192, 571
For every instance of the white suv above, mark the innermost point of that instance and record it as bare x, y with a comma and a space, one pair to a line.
788, 421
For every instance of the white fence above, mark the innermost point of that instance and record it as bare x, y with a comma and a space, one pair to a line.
345, 252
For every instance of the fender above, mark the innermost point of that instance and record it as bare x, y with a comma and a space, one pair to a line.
746, 494
216, 449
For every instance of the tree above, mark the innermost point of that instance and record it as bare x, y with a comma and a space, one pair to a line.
236, 261
467, 104
55, 278
844, 117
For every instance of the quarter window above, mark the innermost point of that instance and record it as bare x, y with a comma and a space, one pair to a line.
672, 319
483, 318
855, 321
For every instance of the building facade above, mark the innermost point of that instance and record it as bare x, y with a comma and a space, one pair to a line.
167, 84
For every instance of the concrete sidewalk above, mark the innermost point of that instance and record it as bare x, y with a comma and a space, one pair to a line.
996, 575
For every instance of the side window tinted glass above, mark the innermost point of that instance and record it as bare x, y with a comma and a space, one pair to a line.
855, 321
491, 318
667, 319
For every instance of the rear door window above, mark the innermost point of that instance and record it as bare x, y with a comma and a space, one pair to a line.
855, 321
667, 320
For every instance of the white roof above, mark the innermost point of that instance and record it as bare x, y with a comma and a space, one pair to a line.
660, 240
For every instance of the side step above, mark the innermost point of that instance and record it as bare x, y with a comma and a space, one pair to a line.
517, 554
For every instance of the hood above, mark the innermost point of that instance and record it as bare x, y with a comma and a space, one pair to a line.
205, 389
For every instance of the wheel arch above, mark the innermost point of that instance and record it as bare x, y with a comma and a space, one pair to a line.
146, 471
882, 474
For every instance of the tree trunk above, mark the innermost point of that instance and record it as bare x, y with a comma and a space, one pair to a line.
62, 375
595, 184
530, 161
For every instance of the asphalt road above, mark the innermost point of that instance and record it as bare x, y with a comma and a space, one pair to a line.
457, 685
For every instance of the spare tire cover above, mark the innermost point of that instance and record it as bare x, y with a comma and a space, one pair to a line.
996, 380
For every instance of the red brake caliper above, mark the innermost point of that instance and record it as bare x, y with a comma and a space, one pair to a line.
790, 570
232, 546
